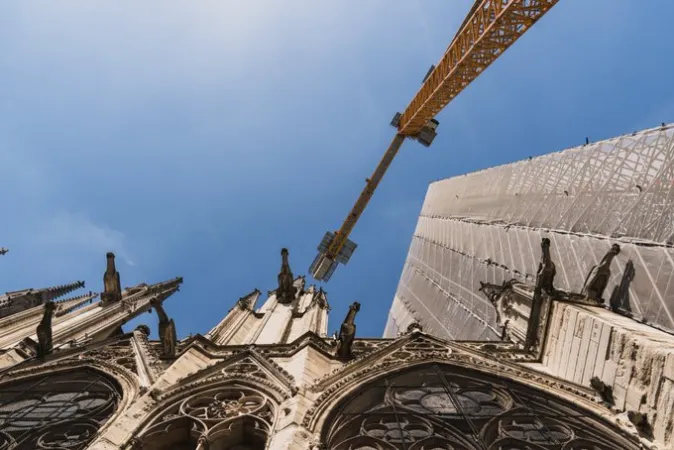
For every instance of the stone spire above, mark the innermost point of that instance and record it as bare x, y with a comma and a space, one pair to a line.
289, 312
285, 293
17, 301
112, 287
81, 322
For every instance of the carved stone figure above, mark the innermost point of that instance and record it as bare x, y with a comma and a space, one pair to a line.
597, 279
347, 332
494, 292
44, 331
546, 269
112, 287
167, 331
285, 292
544, 279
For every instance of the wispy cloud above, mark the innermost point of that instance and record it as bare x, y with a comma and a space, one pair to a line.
73, 233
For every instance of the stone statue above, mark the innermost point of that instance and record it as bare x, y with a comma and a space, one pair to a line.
112, 292
347, 332
546, 269
167, 330
285, 293
44, 331
597, 279
544, 278
493, 293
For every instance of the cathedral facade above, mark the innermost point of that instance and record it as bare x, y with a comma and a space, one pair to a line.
269, 377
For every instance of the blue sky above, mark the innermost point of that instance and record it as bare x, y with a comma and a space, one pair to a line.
197, 139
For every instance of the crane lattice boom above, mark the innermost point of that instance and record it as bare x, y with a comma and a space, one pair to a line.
490, 28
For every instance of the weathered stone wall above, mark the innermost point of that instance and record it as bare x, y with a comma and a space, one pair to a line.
636, 361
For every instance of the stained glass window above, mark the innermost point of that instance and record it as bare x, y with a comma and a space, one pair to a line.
439, 407
60, 411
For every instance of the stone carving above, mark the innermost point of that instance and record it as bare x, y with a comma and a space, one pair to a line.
167, 330
597, 279
544, 279
248, 301
118, 353
501, 303
433, 406
640, 422
347, 332
112, 291
44, 331
546, 269
604, 391
285, 293
200, 415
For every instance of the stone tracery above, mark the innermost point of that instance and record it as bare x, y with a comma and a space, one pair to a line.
59, 411
232, 417
436, 407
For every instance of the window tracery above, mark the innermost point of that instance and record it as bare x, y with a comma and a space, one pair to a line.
56, 412
233, 417
439, 407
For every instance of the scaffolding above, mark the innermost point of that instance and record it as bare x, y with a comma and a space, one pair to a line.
487, 226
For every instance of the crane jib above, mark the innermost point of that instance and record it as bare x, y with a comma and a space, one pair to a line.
489, 29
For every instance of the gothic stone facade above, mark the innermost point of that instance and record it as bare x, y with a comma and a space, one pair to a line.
270, 378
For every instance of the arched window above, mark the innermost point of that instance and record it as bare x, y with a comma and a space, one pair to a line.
59, 411
232, 417
446, 408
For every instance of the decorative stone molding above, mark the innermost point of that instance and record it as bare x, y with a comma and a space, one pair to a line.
238, 368
152, 354
419, 349
118, 353
128, 381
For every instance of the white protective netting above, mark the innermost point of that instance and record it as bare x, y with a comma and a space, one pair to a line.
487, 226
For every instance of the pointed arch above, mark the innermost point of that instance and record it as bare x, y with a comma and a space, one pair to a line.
65, 404
439, 405
223, 411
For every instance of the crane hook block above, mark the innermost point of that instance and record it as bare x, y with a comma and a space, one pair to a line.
324, 265
428, 133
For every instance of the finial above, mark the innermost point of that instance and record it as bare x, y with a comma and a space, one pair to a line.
112, 288
285, 293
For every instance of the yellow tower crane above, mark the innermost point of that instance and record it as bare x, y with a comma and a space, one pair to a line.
490, 27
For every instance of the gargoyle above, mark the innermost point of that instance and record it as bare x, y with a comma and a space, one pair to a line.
347, 332
544, 278
44, 331
597, 279
546, 269
112, 292
167, 330
285, 293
